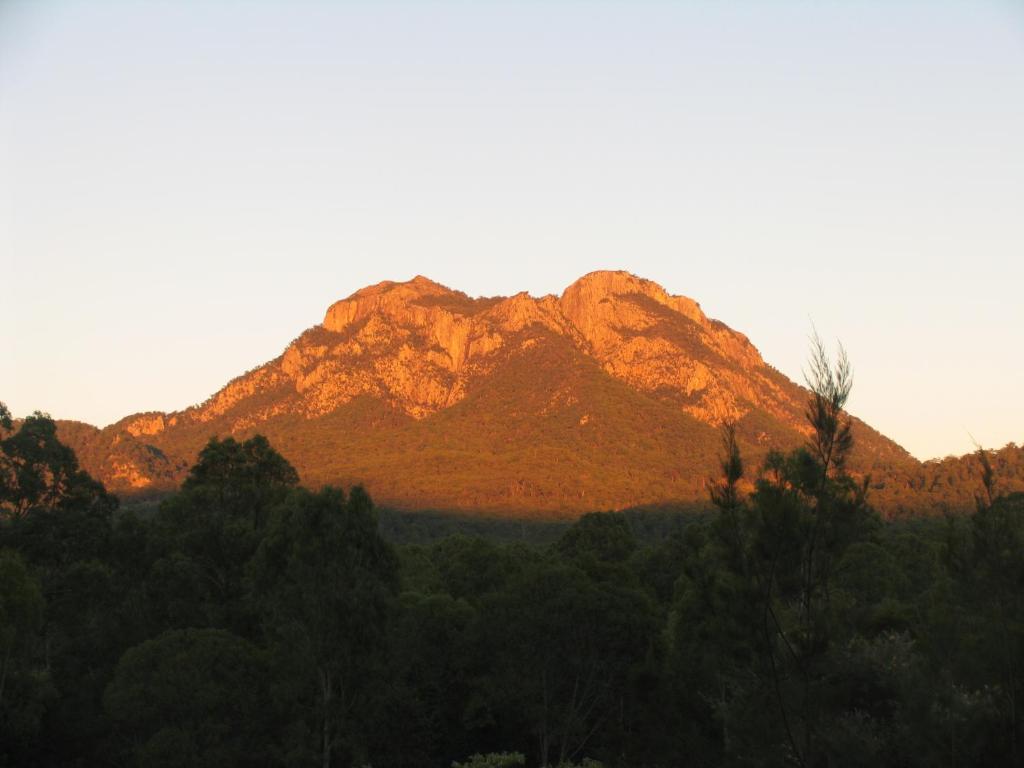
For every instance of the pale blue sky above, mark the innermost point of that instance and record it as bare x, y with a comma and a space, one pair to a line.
184, 187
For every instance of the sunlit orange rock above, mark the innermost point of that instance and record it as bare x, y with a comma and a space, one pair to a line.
405, 384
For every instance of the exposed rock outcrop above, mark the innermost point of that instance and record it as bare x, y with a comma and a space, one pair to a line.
420, 346
613, 359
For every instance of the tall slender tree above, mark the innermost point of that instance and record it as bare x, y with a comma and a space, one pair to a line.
326, 582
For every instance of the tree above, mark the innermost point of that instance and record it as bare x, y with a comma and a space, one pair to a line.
208, 532
24, 687
600, 543
561, 648
241, 479
59, 520
472, 568
37, 470
193, 697
782, 547
493, 760
429, 684
992, 577
326, 581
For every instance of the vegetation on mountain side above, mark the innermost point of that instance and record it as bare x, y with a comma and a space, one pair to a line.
250, 621
609, 396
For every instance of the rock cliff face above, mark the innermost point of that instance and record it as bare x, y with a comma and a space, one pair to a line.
420, 346
621, 359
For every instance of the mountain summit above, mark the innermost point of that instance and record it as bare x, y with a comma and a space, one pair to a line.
610, 395
422, 348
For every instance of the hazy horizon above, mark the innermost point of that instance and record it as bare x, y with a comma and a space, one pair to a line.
184, 188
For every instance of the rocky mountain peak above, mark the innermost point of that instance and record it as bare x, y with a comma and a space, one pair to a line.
421, 345
596, 289
405, 302
611, 349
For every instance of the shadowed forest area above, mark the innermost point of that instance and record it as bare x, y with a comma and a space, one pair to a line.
249, 621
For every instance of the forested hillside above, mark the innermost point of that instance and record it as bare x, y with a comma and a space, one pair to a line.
609, 396
249, 621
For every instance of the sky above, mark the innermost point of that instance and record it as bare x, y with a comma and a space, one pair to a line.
186, 186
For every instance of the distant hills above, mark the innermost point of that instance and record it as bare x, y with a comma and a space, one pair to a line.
611, 395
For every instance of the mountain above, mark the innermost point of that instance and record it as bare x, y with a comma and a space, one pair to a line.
611, 395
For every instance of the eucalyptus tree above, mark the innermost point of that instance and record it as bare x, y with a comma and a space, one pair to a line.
325, 582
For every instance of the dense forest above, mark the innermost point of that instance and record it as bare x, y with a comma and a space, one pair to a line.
249, 621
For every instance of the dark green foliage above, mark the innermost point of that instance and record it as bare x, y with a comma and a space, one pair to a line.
992, 577
24, 685
564, 649
431, 683
240, 479
765, 582
325, 581
471, 569
193, 697
248, 621
38, 470
211, 529
59, 521
598, 538
495, 760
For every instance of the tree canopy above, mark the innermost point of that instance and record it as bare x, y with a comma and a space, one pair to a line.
250, 621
